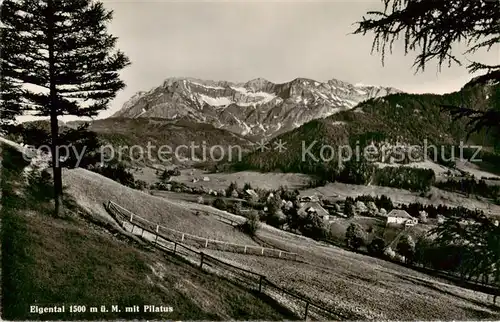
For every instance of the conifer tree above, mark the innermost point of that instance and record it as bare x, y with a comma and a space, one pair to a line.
62, 50
10, 89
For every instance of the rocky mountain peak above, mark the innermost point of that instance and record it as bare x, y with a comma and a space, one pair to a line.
258, 107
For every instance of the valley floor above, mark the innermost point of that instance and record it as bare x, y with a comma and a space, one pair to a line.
221, 180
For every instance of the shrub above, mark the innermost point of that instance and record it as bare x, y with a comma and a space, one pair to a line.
232, 187
220, 204
376, 247
288, 194
40, 185
292, 218
349, 207
276, 219
236, 208
141, 185
118, 173
390, 253
406, 247
313, 226
251, 225
174, 172
273, 205
355, 236
164, 176
384, 202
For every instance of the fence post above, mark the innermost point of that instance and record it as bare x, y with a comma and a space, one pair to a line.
175, 247
142, 233
245, 250
307, 307
131, 217
262, 251
133, 226
206, 243
201, 261
182, 239
157, 228
156, 238
279, 255
260, 283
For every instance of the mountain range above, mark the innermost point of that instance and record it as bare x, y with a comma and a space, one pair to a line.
258, 108
400, 119
301, 111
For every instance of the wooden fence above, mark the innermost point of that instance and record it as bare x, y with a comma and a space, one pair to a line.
125, 216
297, 303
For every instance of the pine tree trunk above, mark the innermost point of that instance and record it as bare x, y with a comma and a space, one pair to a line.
54, 126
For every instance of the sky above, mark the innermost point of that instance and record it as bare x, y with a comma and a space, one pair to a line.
276, 40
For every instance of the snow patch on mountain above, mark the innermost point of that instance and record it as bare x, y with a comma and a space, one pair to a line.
257, 106
142, 113
206, 86
216, 101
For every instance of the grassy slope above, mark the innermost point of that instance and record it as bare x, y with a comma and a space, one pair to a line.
91, 190
48, 261
158, 132
360, 286
221, 180
363, 287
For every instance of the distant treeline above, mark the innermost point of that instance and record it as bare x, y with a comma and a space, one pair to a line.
470, 186
358, 172
413, 209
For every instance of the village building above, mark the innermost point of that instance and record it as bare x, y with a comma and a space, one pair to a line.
287, 204
312, 198
252, 194
400, 217
360, 207
314, 208
270, 196
423, 216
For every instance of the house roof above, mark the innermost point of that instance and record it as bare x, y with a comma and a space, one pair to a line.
309, 197
314, 206
252, 193
399, 213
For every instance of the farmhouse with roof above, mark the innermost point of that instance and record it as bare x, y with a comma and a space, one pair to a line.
400, 217
311, 198
314, 208
252, 195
